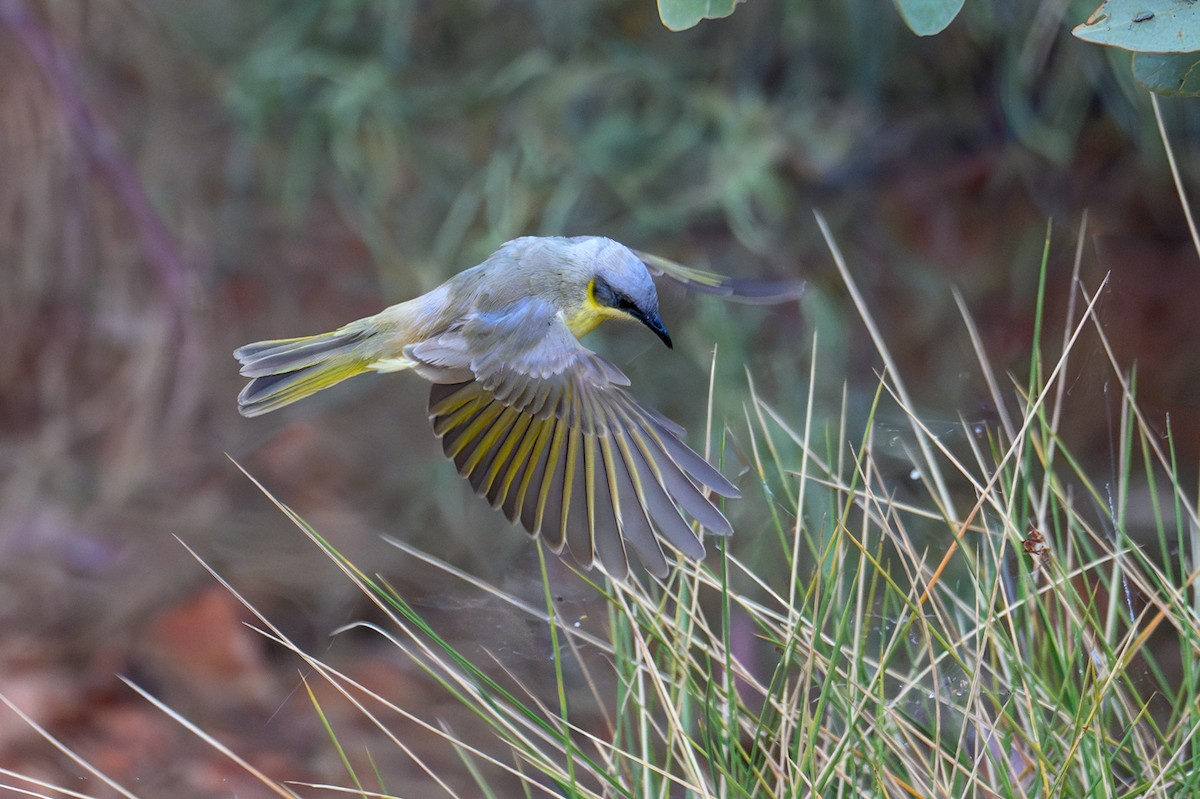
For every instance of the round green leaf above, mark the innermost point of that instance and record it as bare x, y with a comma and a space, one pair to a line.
927, 17
1170, 74
679, 15
1145, 26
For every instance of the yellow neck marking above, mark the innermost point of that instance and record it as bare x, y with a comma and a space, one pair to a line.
588, 316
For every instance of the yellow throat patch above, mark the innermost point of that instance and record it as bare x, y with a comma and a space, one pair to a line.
588, 316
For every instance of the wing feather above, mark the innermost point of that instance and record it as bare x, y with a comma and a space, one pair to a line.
504, 461
577, 522
589, 488
552, 489
751, 292
468, 433
547, 433
529, 505
630, 518
490, 448
659, 505
629, 507
445, 398
680, 482
461, 416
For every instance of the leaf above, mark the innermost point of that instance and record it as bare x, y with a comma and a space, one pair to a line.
927, 17
1169, 74
1145, 26
679, 15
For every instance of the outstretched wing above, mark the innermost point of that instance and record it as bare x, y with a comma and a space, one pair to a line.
752, 292
542, 428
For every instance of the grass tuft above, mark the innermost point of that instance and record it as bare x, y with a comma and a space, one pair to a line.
994, 623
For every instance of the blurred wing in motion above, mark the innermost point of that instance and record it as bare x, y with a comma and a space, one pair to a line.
542, 428
752, 292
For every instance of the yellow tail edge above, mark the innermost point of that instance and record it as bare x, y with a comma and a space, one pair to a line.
284, 371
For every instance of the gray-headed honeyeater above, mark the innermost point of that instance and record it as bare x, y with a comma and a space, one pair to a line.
540, 425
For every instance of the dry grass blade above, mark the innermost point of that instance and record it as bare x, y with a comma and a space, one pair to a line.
67, 751
270, 784
1170, 152
58, 791
929, 465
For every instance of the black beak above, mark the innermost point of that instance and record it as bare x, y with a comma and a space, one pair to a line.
653, 321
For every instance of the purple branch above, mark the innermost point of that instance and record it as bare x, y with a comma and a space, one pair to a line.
100, 147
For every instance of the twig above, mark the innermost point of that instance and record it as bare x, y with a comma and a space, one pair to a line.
100, 147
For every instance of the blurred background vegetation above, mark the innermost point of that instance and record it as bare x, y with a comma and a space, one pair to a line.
180, 178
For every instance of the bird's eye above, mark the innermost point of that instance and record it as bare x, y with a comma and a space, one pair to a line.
603, 294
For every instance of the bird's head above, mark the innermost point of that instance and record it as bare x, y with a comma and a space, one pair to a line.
618, 286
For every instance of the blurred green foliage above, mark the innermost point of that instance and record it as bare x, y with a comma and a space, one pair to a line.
509, 130
1163, 35
455, 126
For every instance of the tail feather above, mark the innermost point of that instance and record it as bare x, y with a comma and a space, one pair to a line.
287, 370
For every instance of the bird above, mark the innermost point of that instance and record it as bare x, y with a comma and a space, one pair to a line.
542, 427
